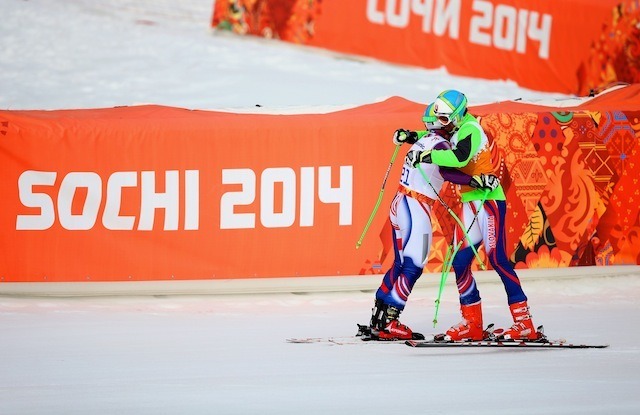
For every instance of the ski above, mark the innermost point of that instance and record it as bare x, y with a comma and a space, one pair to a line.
364, 334
495, 343
342, 341
328, 340
493, 338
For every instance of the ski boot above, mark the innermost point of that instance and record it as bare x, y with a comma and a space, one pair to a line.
469, 329
522, 328
385, 325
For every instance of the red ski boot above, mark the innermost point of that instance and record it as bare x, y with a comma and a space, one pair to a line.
385, 325
470, 328
523, 328
395, 331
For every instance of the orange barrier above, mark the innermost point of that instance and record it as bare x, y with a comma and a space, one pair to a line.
557, 46
159, 193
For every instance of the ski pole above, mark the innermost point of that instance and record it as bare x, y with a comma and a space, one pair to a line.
380, 195
443, 278
454, 216
448, 262
446, 268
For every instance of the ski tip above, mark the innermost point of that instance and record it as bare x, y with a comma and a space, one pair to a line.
411, 343
303, 340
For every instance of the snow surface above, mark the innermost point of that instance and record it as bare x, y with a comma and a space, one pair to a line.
86, 53
227, 354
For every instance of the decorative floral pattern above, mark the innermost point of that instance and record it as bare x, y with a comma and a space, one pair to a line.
573, 193
290, 20
569, 178
615, 56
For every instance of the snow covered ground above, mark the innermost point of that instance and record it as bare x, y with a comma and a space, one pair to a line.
227, 354
87, 53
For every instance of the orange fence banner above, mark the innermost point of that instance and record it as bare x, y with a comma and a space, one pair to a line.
548, 45
161, 193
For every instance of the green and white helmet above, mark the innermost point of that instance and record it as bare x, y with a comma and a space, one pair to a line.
450, 107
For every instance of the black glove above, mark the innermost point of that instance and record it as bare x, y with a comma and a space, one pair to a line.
414, 157
484, 181
401, 136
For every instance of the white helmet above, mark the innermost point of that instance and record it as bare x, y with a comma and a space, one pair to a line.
450, 107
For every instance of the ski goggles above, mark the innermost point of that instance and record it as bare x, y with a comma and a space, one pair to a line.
444, 119
432, 120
